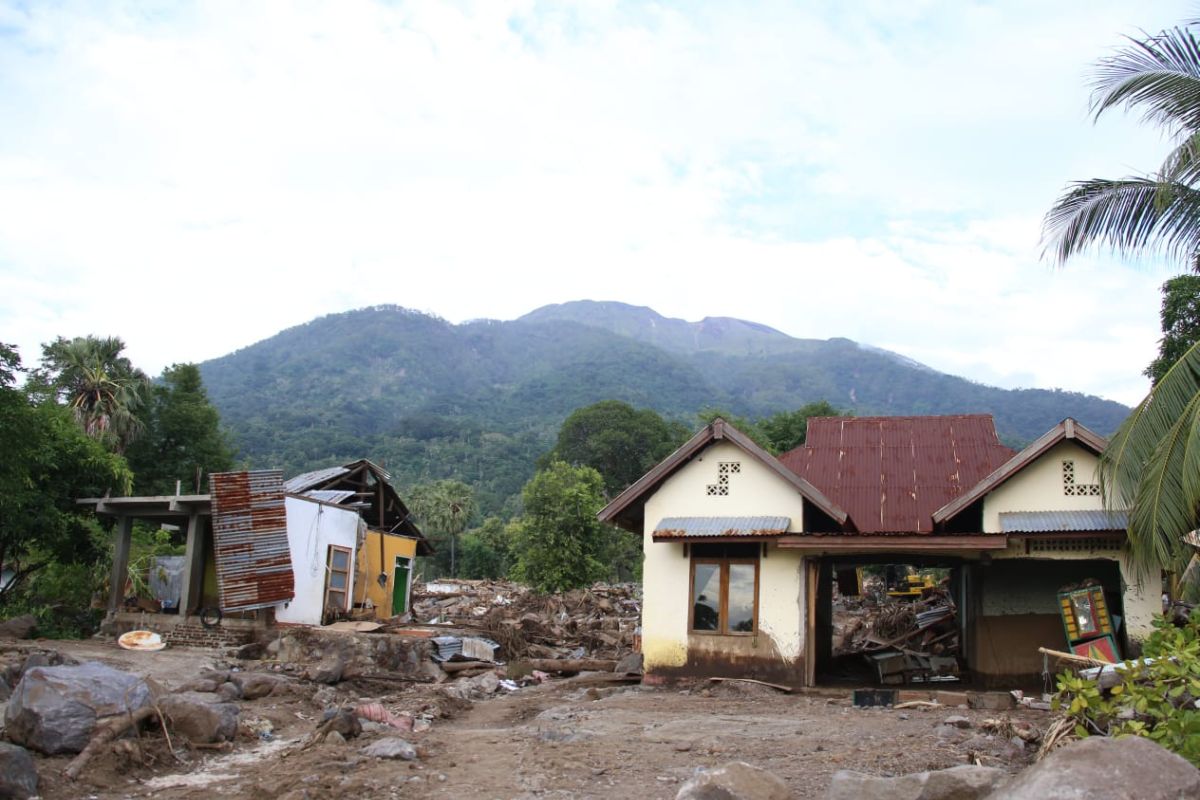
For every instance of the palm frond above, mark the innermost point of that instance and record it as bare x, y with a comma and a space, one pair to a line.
1128, 216
1152, 465
1159, 74
1182, 165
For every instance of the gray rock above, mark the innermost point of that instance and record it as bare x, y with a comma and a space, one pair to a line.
18, 775
391, 747
957, 721
256, 684
18, 627
948, 733
199, 685
328, 670
253, 651
200, 716
1100, 768
734, 781
55, 709
228, 691
629, 665
956, 783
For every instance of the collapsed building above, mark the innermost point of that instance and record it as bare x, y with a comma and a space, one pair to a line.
742, 547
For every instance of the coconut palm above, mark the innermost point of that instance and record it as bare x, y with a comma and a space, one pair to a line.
445, 507
1152, 464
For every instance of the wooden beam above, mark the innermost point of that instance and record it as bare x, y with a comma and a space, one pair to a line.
900, 543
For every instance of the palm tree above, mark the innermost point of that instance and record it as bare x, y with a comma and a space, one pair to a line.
446, 507
102, 387
1152, 464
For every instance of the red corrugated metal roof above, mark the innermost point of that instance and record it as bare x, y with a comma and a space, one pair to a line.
891, 473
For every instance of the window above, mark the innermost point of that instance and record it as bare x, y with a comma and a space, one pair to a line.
724, 470
724, 595
1070, 487
337, 578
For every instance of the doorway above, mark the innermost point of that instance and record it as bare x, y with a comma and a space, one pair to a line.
401, 574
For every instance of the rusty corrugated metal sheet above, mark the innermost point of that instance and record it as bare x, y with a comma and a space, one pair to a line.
684, 527
891, 473
250, 543
1060, 521
307, 480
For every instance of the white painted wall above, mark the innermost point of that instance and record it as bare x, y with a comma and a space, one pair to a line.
755, 491
1039, 487
312, 527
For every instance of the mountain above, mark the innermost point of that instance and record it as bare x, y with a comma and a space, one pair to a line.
482, 400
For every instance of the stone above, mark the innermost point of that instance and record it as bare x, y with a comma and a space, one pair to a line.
335, 737
736, 780
948, 733
951, 698
229, 692
629, 665
253, 651
256, 684
343, 721
328, 671
199, 685
957, 721
21, 627
18, 775
391, 747
484, 685
200, 716
991, 701
55, 709
1100, 768
957, 783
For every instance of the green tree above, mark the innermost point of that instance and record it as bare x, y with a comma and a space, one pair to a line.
743, 424
444, 508
183, 440
103, 389
1180, 316
615, 439
1152, 464
48, 463
788, 429
486, 550
559, 544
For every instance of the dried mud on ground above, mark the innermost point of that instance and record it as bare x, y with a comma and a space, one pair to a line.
562, 739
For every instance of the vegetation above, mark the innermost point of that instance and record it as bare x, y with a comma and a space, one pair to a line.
1156, 697
779, 432
444, 509
1180, 316
1152, 464
558, 543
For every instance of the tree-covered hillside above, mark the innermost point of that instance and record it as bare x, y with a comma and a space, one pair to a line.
481, 401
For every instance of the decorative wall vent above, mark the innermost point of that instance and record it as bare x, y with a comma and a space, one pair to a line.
724, 470
1075, 544
1070, 487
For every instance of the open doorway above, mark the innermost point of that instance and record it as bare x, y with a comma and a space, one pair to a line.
890, 620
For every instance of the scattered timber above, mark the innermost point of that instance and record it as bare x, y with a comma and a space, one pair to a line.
778, 686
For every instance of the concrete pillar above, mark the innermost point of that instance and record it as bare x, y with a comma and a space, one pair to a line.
193, 566
120, 563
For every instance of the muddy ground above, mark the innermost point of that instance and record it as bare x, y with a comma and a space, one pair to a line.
563, 739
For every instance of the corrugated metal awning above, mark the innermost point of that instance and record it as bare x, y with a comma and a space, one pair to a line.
719, 527
250, 543
330, 495
1060, 521
307, 480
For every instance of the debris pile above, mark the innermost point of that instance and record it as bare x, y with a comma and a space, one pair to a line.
903, 641
600, 622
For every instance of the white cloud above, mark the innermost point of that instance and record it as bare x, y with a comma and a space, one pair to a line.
196, 177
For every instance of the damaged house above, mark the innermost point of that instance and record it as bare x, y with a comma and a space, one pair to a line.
333, 542
742, 547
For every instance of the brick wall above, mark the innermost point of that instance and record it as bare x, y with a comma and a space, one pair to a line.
188, 634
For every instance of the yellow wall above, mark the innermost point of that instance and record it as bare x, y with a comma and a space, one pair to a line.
755, 491
366, 584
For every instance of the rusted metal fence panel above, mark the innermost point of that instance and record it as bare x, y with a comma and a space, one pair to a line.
254, 564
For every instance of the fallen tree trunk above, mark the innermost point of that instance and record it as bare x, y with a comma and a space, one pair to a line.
104, 734
452, 667
571, 664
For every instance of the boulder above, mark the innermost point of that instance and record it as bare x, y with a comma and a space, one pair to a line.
54, 709
256, 684
629, 665
18, 627
18, 775
328, 670
254, 651
391, 747
736, 780
956, 783
228, 691
957, 721
1100, 768
200, 716
199, 685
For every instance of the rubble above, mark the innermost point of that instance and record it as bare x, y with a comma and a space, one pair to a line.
201, 717
966, 782
734, 781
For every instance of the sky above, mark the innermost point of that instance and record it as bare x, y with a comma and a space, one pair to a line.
196, 177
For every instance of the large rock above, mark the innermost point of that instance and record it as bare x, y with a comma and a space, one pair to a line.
18, 775
956, 783
18, 627
736, 780
257, 684
200, 716
1100, 768
55, 709
391, 747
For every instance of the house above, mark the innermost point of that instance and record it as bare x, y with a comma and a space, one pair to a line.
323, 543
741, 547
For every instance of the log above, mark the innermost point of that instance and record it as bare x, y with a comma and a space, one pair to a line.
104, 734
452, 667
571, 664
778, 686
1091, 662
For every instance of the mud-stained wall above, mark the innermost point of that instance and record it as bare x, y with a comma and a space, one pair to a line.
754, 491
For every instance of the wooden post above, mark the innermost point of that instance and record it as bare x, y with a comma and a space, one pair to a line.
120, 563
193, 566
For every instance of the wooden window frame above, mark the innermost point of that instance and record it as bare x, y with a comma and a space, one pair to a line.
724, 564
329, 572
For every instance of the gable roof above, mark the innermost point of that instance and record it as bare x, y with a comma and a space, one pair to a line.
627, 509
1066, 430
892, 473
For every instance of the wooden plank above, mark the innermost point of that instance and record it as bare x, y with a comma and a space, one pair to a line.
778, 686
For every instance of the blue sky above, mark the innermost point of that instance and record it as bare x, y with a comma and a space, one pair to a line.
195, 177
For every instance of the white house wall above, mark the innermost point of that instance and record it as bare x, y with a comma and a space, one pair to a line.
312, 528
754, 491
